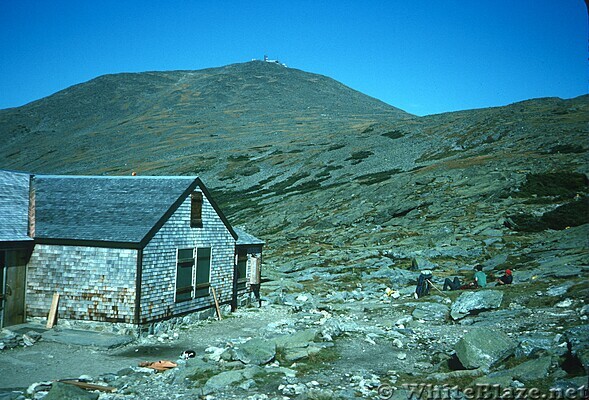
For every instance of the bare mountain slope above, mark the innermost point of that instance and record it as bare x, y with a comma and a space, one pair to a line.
304, 161
169, 115
346, 191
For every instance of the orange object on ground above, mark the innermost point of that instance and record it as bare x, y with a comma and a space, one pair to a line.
162, 365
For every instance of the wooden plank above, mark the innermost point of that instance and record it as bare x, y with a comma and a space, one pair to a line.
216, 303
52, 317
90, 386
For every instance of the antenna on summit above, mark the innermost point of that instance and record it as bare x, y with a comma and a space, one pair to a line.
266, 59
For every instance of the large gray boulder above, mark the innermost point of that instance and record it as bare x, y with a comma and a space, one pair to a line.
532, 370
195, 369
256, 351
222, 381
298, 345
477, 300
430, 312
63, 391
535, 344
299, 339
483, 348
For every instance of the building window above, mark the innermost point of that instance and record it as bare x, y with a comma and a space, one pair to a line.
184, 274
193, 278
203, 271
196, 210
241, 270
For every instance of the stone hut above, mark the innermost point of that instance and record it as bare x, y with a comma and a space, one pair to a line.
132, 250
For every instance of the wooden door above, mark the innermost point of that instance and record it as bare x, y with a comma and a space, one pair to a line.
14, 287
2, 296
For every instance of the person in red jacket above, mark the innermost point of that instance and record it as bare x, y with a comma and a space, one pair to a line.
506, 279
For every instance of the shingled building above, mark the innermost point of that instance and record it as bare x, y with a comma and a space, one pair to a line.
117, 249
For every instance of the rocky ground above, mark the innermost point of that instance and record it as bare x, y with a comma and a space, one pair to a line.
323, 333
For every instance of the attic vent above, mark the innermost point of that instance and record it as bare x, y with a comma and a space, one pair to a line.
196, 210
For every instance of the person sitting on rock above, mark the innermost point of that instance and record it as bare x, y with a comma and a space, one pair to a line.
480, 278
454, 284
506, 279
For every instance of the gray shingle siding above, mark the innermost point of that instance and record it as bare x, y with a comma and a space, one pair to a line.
14, 206
159, 262
94, 283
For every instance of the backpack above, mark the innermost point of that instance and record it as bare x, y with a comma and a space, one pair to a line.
423, 285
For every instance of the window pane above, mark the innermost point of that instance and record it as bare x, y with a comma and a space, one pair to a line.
184, 270
203, 269
185, 254
241, 268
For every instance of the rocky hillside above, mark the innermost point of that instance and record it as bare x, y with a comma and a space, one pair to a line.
347, 191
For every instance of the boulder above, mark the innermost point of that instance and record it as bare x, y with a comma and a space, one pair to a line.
431, 312
299, 339
296, 354
483, 348
195, 369
502, 378
63, 391
532, 370
494, 262
578, 342
298, 345
533, 345
401, 277
559, 290
475, 301
222, 381
256, 351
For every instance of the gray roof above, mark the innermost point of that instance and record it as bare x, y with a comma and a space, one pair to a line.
244, 238
109, 209
14, 206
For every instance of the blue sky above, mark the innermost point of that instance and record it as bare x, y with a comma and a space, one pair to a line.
424, 57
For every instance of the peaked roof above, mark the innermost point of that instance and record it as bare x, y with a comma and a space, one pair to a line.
119, 210
14, 206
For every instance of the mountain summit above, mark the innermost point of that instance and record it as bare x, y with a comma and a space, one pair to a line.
169, 112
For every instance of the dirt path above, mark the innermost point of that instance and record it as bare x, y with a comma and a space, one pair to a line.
20, 367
